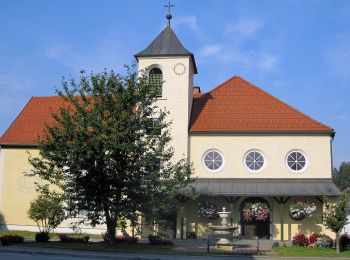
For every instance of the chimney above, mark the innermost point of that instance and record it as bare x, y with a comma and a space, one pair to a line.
196, 90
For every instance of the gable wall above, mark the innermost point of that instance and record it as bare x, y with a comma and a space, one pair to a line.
274, 148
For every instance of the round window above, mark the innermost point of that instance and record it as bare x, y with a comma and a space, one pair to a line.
213, 161
296, 161
254, 161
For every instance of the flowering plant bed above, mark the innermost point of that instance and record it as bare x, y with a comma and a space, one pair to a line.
256, 211
207, 210
300, 209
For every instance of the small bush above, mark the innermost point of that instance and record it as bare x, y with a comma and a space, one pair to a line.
344, 240
132, 240
11, 239
300, 240
313, 238
191, 235
275, 244
42, 237
66, 238
157, 240
324, 241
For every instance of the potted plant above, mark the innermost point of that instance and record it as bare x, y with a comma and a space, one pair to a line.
256, 211
300, 209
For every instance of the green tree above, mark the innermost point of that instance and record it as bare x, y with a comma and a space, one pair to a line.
47, 211
335, 215
342, 176
109, 150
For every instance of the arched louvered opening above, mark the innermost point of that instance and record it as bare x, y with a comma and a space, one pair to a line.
156, 80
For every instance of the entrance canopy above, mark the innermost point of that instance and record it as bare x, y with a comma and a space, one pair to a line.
266, 187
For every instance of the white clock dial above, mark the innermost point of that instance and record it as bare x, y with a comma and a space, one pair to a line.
179, 69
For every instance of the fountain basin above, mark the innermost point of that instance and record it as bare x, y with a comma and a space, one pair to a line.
223, 230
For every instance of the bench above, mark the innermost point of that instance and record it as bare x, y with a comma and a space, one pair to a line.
233, 240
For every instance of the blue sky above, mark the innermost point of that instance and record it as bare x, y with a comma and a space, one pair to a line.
298, 50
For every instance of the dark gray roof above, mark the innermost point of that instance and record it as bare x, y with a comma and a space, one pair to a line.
167, 44
266, 187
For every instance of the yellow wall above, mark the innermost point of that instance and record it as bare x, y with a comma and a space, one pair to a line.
17, 190
274, 149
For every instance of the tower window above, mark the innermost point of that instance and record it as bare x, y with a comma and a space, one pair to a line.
156, 81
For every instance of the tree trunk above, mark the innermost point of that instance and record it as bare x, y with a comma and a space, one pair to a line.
111, 225
337, 240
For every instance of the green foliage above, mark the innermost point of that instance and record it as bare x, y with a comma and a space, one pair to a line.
157, 240
47, 212
11, 239
42, 237
102, 153
70, 238
334, 214
342, 176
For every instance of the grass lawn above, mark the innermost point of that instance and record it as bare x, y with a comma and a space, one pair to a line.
102, 247
31, 235
310, 252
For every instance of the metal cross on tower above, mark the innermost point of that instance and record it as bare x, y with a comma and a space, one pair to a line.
169, 16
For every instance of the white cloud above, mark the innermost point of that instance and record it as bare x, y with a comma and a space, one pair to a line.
267, 62
210, 50
189, 21
107, 53
245, 27
14, 83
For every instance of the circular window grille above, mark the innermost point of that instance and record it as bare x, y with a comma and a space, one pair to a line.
254, 160
296, 161
213, 161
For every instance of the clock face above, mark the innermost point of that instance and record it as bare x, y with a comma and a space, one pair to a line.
179, 69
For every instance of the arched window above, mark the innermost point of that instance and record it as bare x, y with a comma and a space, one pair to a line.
156, 80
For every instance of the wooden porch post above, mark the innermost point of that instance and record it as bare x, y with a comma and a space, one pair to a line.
281, 201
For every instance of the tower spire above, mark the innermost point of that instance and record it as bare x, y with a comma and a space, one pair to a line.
169, 16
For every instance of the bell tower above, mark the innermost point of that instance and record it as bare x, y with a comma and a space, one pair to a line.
166, 58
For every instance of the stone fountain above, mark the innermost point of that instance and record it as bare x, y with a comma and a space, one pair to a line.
224, 229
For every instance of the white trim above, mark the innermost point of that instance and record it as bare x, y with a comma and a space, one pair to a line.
306, 166
2, 164
263, 156
223, 160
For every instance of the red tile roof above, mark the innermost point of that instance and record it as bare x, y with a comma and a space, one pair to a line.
238, 106
234, 106
30, 123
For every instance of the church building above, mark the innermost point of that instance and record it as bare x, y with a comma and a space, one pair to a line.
266, 162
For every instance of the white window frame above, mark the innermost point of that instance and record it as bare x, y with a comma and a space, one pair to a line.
222, 156
306, 166
263, 156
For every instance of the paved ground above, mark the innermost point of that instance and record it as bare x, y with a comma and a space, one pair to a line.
182, 251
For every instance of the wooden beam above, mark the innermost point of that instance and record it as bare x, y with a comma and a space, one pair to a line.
231, 199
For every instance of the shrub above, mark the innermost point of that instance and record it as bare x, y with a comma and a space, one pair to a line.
157, 240
191, 235
42, 237
313, 238
47, 212
300, 240
66, 238
324, 241
121, 239
11, 239
344, 240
